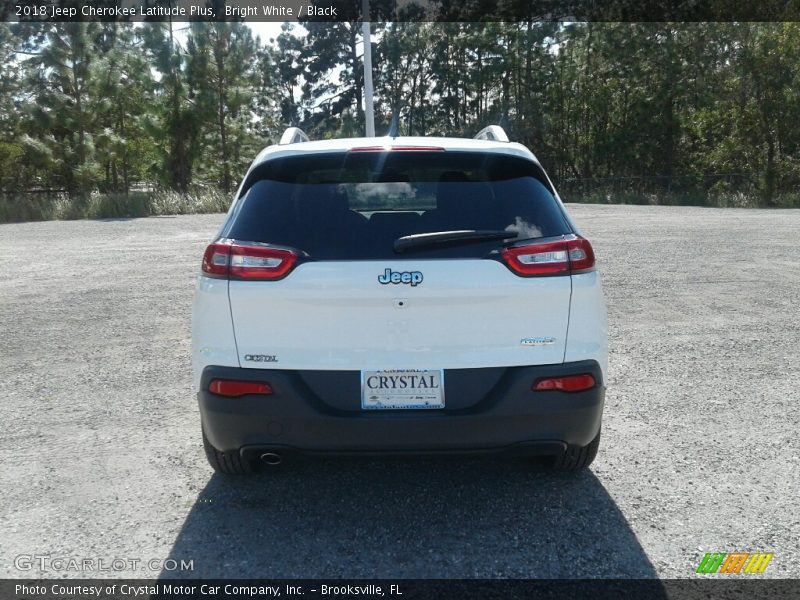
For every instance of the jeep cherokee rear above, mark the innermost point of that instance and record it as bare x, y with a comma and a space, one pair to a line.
398, 295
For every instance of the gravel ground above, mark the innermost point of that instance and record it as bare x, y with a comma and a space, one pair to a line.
699, 453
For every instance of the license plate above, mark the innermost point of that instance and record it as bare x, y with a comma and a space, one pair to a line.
402, 389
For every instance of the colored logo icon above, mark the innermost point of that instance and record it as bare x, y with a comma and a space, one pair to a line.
734, 562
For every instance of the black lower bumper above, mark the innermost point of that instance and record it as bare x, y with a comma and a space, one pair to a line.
300, 416
500, 414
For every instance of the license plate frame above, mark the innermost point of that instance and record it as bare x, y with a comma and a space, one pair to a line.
427, 397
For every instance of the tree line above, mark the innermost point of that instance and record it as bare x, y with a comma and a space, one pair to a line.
93, 107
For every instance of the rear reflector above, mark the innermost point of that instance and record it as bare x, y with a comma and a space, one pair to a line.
242, 261
571, 255
568, 383
233, 388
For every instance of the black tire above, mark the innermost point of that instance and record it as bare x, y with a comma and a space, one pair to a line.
229, 463
577, 457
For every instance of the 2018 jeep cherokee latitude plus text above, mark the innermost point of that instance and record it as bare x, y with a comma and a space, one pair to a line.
392, 295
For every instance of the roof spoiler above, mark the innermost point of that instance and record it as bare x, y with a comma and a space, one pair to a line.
293, 135
492, 133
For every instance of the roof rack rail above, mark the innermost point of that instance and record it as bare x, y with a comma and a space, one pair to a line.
292, 135
492, 133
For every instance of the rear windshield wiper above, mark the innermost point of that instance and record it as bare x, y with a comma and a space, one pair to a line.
462, 236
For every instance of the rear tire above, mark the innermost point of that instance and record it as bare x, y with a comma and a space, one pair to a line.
577, 457
229, 463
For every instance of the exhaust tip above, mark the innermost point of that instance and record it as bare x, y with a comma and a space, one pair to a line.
270, 458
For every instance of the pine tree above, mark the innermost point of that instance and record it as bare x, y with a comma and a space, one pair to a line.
172, 123
124, 88
222, 71
63, 116
11, 150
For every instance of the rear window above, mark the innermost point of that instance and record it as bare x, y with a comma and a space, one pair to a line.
355, 205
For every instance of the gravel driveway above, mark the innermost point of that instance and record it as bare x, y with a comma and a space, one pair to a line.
700, 442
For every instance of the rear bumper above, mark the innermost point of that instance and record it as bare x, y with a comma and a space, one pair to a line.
509, 417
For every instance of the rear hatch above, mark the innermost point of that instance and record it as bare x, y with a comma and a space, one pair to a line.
396, 260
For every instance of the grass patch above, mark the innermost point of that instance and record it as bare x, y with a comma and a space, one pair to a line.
715, 200
202, 201
17, 208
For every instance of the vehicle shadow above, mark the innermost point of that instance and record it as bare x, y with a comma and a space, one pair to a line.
408, 518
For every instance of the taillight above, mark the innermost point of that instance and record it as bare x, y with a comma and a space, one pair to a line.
216, 259
255, 262
581, 255
241, 261
567, 383
568, 256
233, 388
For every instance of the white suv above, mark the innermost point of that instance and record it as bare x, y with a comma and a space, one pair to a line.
398, 295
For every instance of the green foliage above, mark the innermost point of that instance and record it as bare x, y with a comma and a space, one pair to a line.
223, 75
668, 113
